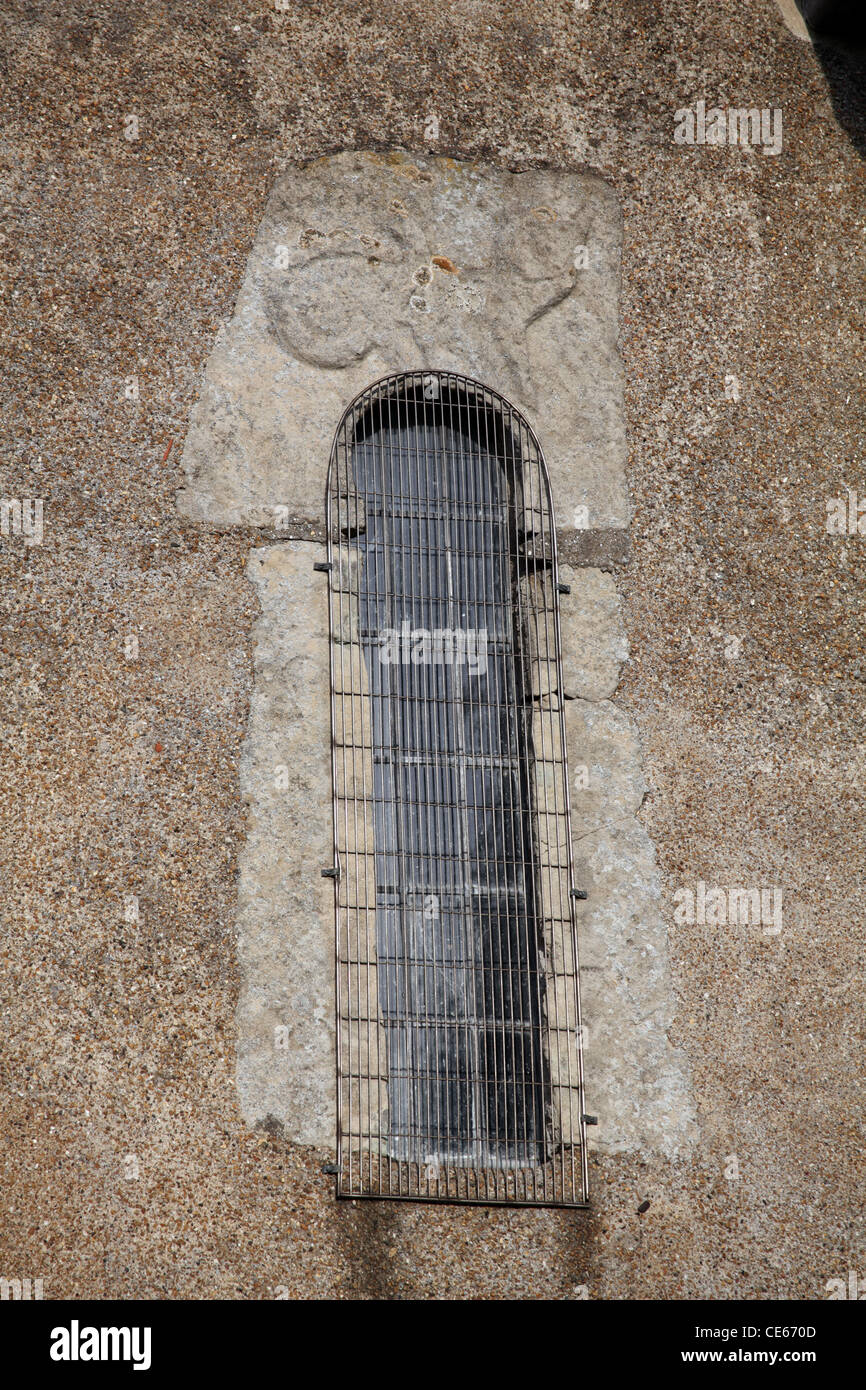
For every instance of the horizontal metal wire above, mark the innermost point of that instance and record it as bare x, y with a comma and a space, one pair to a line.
460, 1069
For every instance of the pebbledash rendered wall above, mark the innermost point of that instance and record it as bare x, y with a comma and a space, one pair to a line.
367, 264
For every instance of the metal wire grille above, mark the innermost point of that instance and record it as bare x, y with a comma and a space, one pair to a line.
460, 1072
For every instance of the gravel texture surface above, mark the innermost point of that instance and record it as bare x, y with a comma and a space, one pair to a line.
125, 1168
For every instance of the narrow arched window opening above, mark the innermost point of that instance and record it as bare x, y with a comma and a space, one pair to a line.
459, 1061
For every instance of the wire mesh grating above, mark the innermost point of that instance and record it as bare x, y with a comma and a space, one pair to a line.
459, 1060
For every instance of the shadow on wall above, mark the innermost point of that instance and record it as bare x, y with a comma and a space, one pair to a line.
838, 31
367, 1233
402, 1250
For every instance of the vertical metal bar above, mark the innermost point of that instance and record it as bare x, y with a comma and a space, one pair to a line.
338, 1001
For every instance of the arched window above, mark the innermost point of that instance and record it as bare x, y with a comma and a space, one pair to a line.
458, 1018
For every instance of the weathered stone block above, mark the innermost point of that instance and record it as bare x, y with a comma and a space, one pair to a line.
367, 264
594, 643
285, 907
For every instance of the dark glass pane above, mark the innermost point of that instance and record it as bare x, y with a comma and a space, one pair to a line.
457, 920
